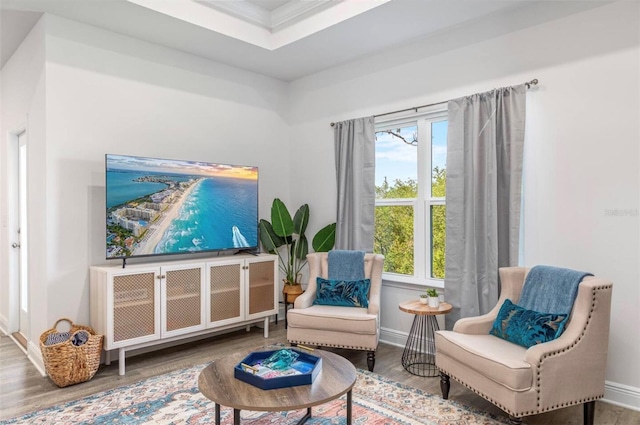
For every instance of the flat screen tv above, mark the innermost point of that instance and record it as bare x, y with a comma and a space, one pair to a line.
167, 206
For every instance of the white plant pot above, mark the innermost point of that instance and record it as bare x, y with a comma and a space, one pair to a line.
424, 300
434, 302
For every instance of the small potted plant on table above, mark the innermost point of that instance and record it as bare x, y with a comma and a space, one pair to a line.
434, 301
424, 298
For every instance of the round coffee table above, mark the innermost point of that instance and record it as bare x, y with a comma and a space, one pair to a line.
419, 356
217, 383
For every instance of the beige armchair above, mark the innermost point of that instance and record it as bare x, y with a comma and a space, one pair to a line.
354, 328
566, 371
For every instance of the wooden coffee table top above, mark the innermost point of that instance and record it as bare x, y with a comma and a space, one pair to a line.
217, 383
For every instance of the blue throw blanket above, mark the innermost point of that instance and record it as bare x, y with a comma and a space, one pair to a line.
346, 265
550, 289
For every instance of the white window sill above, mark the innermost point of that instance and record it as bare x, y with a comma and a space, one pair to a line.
410, 282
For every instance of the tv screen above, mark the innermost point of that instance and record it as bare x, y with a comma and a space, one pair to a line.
165, 206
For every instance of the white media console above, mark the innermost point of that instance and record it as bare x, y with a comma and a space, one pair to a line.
144, 305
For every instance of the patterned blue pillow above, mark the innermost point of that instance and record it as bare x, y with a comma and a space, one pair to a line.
348, 293
527, 327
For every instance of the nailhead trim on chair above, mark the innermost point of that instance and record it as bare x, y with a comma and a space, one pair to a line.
538, 370
573, 344
350, 347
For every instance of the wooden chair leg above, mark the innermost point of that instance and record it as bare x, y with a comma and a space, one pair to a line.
371, 360
589, 409
445, 384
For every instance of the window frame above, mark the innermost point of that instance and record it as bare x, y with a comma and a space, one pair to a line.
422, 241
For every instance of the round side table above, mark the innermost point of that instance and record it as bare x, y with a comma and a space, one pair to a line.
419, 356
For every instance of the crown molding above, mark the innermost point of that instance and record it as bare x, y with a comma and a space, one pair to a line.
294, 10
242, 9
287, 14
245, 21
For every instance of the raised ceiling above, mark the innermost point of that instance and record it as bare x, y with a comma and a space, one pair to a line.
284, 39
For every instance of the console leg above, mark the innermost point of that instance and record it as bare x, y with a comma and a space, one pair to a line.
371, 360
445, 384
266, 327
589, 412
107, 357
121, 361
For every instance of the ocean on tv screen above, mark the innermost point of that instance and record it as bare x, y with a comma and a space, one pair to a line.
182, 208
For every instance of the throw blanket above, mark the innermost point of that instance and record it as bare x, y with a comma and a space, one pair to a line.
551, 289
346, 265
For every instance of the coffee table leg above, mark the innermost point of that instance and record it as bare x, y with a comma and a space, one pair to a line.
349, 408
236, 417
305, 417
217, 410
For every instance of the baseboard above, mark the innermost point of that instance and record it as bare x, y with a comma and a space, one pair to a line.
622, 395
614, 393
35, 356
393, 337
33, 350
4, 325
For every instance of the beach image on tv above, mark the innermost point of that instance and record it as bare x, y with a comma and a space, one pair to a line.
158, 206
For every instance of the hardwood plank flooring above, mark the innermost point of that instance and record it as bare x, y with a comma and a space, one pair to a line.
23, 390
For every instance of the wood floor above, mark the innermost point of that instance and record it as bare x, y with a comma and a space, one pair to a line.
23, 390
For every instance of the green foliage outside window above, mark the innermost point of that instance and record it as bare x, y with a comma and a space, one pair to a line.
438, 222
393, 235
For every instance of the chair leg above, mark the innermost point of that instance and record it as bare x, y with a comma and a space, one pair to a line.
514, 421
589, 412
371, 360
445, 384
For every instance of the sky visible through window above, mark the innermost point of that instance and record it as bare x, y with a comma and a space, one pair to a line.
396, 159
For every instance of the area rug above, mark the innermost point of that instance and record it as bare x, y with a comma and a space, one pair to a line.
174, 399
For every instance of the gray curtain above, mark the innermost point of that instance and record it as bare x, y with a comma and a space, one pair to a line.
484, 180
355, 172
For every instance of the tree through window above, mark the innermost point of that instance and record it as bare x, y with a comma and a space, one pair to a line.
410, 197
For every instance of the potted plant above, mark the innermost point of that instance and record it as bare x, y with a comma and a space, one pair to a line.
424, 298
284, 231
434, 301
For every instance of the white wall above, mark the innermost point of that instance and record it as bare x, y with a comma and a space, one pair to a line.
106, 93
23, 108
581, 156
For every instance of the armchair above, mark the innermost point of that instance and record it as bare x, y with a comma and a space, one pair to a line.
566, 371
355, 328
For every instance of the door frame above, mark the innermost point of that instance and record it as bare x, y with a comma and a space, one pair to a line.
13, 219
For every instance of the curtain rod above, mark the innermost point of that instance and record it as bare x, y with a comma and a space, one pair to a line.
528, 84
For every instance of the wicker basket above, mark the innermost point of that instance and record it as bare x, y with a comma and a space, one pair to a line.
68, 364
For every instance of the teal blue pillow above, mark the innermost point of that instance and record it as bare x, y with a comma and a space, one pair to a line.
347, 293
527, 327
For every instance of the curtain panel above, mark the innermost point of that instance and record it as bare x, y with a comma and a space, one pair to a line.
355, 174
484, 181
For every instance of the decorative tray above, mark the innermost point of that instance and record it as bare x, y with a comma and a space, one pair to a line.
255, 370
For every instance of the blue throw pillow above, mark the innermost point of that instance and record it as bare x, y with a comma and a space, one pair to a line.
348, 293
527, 327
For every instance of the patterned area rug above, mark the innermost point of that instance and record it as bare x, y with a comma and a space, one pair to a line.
174, 399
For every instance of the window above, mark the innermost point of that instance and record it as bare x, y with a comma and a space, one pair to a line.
410, 197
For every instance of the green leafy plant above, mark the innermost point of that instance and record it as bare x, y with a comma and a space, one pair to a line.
432, 292
284, 231
424, 296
